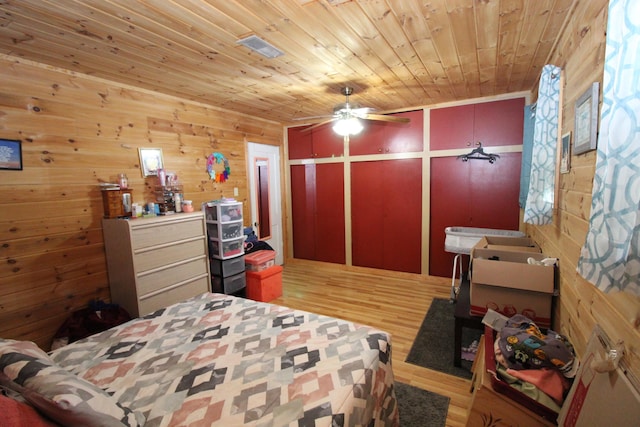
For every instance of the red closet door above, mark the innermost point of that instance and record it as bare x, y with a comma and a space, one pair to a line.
303, 206
499, 122
329, 219
471, 194
386, 213
367, 205
451, 127
402, 229
317, 208
450, 194
380, 137
317, 143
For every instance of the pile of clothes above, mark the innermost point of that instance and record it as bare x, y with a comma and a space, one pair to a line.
540, 365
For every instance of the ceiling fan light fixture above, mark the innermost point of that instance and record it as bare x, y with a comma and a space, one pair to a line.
348, 126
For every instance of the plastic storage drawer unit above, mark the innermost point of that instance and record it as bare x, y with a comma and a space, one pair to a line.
223, 211
265, 285
224, 230
227, 267
228, 285
223, 250
260, 260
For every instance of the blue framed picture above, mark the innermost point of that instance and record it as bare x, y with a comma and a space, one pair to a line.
11, 154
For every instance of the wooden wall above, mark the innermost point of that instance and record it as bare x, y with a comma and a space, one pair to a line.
77, 132
580, 53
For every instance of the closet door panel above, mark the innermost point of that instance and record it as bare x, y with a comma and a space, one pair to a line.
330, 224
299, 143
402, 215
451, 127
303, 210
405, 137
493, 198
370, 140
326, 143
367, 205
499, 122
450, 194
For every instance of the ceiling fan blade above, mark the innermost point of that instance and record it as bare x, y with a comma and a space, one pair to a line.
317, 125
384, 118
325, 116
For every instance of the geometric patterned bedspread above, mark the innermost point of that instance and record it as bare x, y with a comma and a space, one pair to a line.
219, 360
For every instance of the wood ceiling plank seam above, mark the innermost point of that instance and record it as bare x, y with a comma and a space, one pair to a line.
370, 60
443, 39
564, 11
425, 49
487, 26
296, 13
97, 59
370, 37
385, 23
568, 17
352, 40
538, 55
328, 38
462, 19
399, 39
532, 31
511, 16
230, 85
268, 19
225, 61
142, 80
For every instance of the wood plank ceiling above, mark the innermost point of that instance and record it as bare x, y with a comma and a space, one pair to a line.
395, 53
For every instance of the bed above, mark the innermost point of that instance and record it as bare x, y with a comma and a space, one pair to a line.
221, 360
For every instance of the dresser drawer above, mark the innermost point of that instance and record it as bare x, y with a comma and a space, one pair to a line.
158, 234
150, 258
153, 302
155, 280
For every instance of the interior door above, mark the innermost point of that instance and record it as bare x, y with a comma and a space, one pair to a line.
264, 191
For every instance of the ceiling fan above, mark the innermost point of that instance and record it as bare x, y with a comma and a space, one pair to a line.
347, 116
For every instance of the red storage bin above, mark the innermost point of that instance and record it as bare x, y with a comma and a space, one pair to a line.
265, 285
259, 260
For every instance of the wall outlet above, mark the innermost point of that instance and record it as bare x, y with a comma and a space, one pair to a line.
235, 191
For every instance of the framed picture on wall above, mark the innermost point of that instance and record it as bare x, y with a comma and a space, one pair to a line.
150, 161
11, 154
565, 153
586, 124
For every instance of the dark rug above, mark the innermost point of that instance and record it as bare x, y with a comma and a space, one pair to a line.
433, 346
421, 408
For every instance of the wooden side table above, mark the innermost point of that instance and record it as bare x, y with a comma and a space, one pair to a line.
463, 320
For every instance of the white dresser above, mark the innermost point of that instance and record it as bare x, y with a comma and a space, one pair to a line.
155, 262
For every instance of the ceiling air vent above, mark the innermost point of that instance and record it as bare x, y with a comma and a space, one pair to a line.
256, 44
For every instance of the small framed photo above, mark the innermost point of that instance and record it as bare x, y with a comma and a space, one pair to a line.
586, 125
565, 153
150, 161
11, 154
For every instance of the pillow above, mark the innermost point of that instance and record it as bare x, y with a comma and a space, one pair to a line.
20, 414
62, 396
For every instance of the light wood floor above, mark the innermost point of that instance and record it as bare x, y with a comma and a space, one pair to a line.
393, 302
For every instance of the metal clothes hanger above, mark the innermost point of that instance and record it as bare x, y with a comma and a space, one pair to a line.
478, 153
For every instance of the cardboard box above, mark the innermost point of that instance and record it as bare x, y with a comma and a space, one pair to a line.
497, 401
501, 243
265, 285
509, 285
601, 398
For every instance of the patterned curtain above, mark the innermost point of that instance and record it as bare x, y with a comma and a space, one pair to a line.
539, 204
527, 148
610, 256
